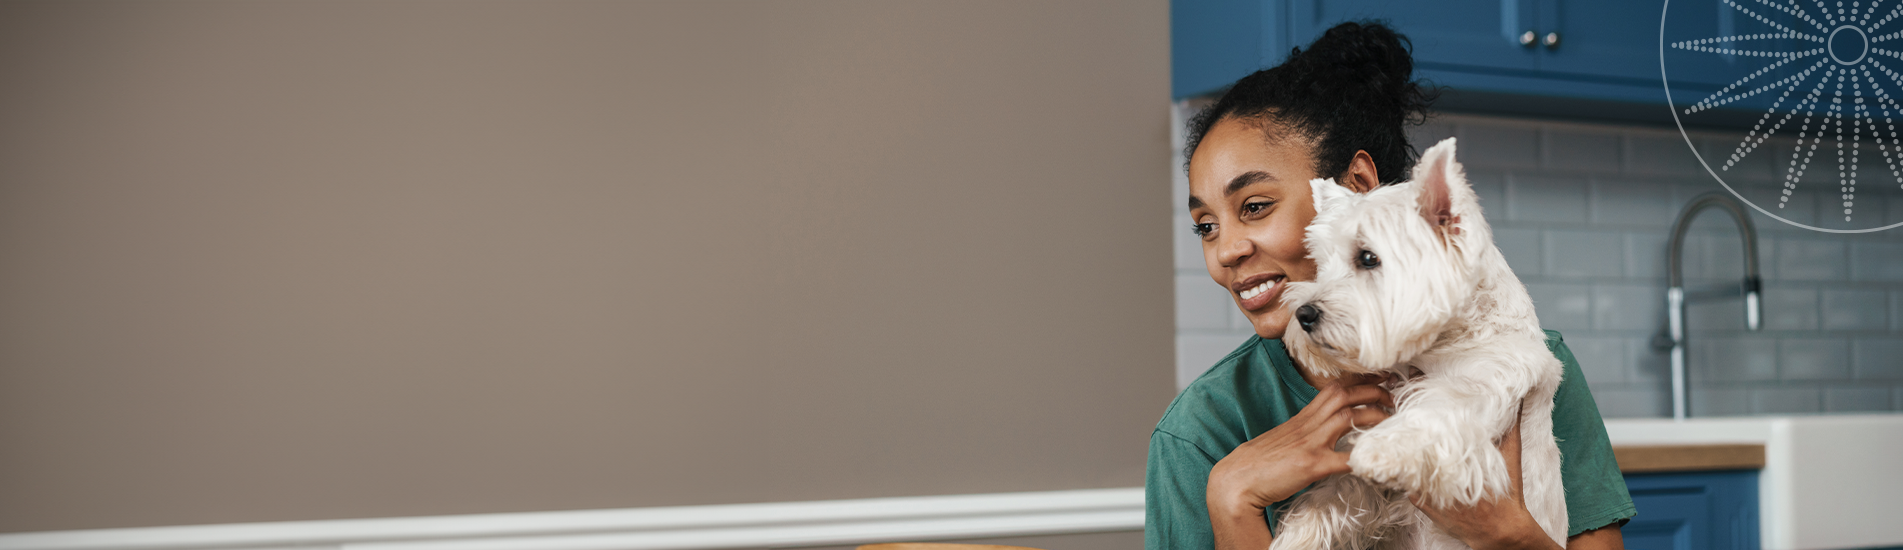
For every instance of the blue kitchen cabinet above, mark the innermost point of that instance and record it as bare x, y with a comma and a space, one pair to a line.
1694, 511
1605, 53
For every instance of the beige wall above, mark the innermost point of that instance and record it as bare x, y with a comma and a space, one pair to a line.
329, 259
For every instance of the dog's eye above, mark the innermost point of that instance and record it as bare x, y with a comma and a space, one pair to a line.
1368, 260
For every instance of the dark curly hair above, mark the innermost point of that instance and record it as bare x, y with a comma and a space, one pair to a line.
1351, 90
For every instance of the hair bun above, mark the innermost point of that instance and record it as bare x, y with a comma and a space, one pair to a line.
1350, 90
1367, 66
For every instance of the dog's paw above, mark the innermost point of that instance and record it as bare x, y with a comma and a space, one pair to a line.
1383, 459
1480, 472
1441, 472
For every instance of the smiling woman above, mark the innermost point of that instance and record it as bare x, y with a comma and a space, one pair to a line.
1256, 429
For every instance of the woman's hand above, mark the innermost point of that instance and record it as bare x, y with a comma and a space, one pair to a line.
1495, 524
1284, 460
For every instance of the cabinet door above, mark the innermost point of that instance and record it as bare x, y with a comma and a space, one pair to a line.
1694, 511
1452, 34
1215, 42
1619, 39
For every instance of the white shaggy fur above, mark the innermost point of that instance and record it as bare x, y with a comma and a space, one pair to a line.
1442, 310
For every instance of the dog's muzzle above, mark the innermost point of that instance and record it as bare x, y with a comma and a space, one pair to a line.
1308, 315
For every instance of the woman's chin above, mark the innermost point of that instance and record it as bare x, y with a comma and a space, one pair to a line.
1271, 324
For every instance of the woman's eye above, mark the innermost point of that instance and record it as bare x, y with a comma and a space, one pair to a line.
1202, 229
1368, 260
1255, 207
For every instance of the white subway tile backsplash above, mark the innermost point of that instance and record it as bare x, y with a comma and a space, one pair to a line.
1650, 366
1562, 307
1786, 400
1645, 255
1856, 399
1756, 165
1601, 358
1801, 208
1855, 310
1660, 153
1521, 248
1627, 307
1721, 314
1490, 188
1691, 256
1640, 203
1868, 211
1789, 308
1583, 254
1580, 150
1201, 305
1734, 359
1627, 402
1896, 310
1814, 359
1878, 359
1877, 261
1431, 132
1724, 253
1549, 199
1811, 259
1495, 145
1718, 402
1862, 207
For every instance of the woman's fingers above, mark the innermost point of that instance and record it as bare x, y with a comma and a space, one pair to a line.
1510, 450
1336, 397
1367, 417
1347, 419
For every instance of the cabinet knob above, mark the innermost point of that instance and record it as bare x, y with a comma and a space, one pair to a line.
1552, 40
1526, 38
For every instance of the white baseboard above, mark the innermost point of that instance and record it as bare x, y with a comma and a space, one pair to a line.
735, 526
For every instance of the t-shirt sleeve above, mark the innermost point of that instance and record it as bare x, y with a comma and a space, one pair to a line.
1175, 514
1595, 490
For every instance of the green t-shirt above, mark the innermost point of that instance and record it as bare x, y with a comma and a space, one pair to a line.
1256, 388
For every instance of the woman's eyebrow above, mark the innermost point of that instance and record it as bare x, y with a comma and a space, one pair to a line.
1246, 179
1242, 180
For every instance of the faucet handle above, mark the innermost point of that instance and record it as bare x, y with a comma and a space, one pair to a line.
1753, 314
1662, 342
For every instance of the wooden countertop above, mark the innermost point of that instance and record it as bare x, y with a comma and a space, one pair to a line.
1635, 459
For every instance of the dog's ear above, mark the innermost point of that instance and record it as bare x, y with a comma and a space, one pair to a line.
1327, 192
1438, 175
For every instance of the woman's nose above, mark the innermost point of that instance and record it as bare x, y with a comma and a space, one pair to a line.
1230, 252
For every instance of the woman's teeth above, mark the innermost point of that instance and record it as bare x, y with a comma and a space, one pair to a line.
1258, 290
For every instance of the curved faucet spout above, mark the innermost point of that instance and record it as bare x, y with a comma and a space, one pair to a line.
1675, 296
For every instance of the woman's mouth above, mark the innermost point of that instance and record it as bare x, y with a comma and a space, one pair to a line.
1262, 292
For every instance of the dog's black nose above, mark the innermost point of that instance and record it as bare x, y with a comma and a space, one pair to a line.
1308, 315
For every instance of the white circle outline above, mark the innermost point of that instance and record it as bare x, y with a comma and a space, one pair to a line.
1830, 45
1666, 81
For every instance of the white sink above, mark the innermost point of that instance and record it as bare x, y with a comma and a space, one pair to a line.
1829, 482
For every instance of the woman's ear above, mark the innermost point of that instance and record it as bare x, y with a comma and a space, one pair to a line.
1361, 176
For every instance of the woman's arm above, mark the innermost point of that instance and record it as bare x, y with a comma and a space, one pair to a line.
1502, 523
1506, 524
1603, 538
1284, 460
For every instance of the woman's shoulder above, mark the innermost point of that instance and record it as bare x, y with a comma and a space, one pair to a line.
1233, 400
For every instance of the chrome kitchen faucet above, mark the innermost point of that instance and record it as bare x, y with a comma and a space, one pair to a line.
1675, 296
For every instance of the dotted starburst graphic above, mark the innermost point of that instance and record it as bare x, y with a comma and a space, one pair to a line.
1845, 88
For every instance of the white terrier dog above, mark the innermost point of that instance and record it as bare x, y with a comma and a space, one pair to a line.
1409, 282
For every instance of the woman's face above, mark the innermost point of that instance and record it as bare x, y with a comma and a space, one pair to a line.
1249, 197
